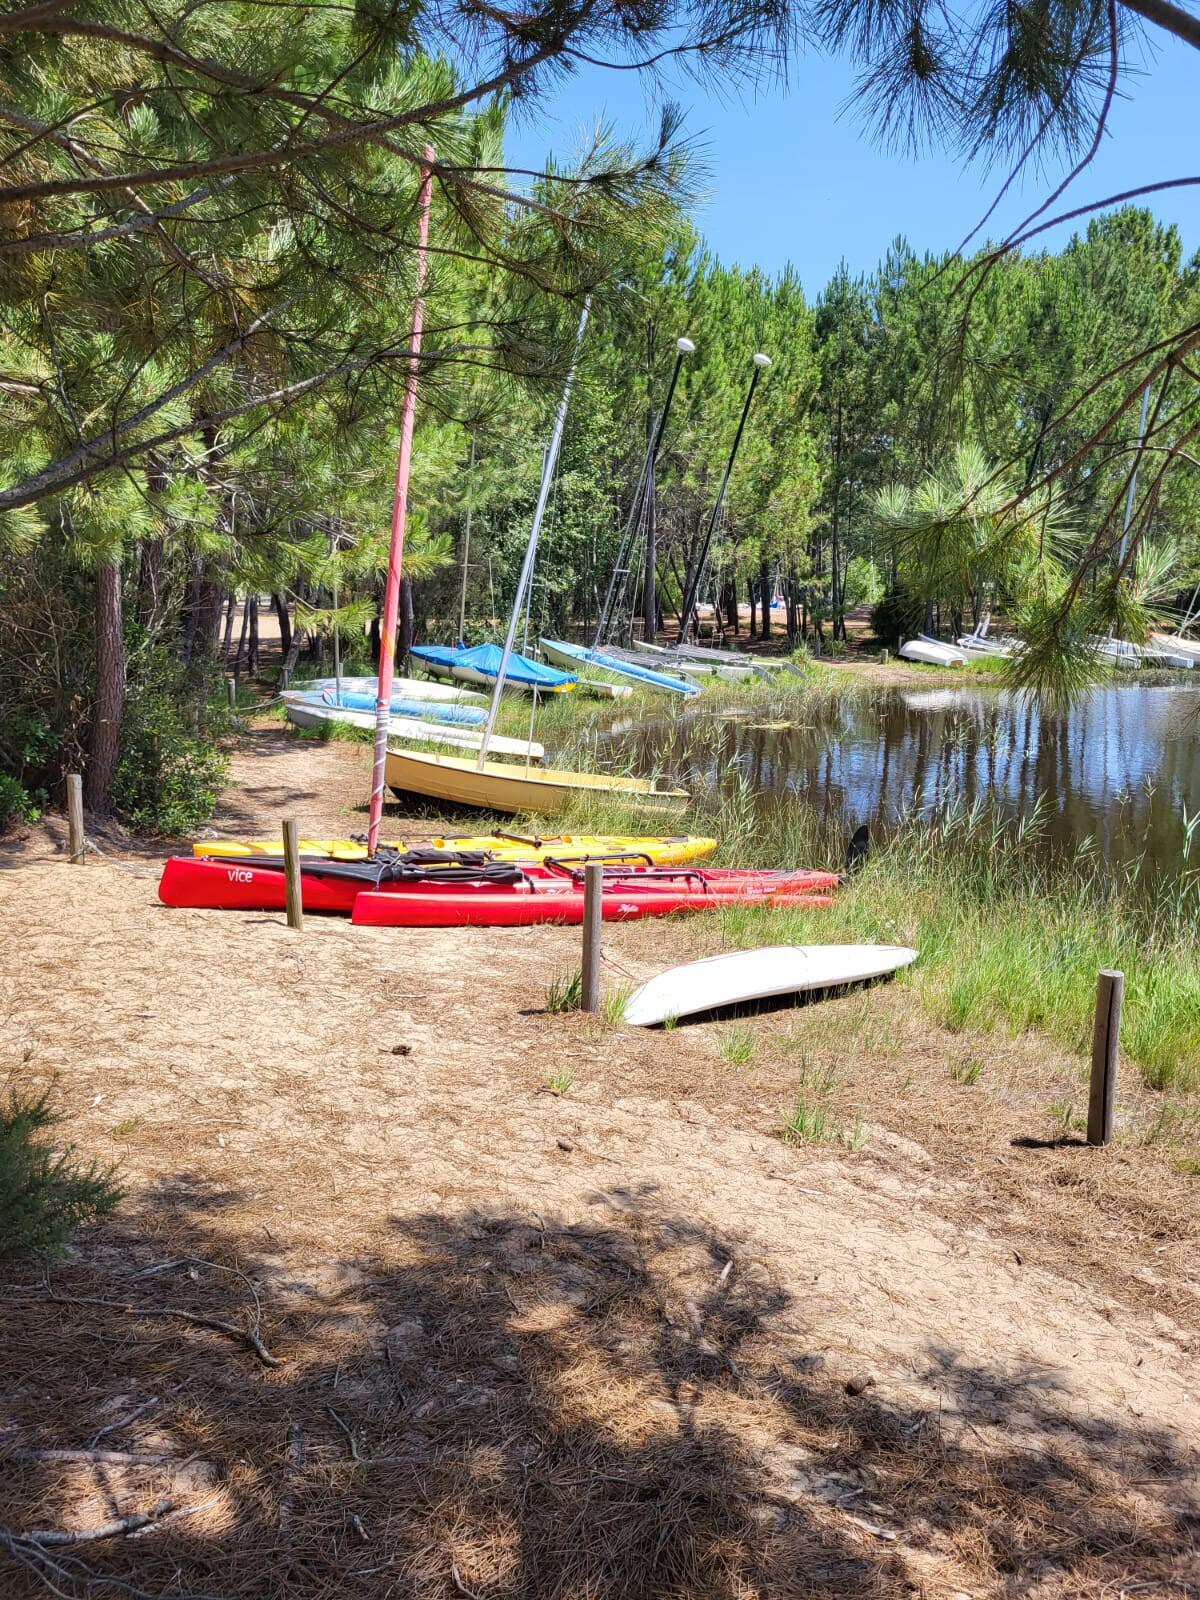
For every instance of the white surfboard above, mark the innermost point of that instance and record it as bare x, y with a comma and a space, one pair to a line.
747, 975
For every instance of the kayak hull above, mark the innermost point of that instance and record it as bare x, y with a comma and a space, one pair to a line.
507, 909
412, 688
573, 847
746, 976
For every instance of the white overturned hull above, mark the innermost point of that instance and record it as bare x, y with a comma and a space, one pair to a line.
973, 646
932, 655
746, 976
412, 729
406, 688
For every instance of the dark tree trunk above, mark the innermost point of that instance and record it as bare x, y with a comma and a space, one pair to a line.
750, 591
731, 608
241, 649
252, 659
792, 619
191, 613
230, 613
405, 640
285, 623
208, 626
104, 745
764, 586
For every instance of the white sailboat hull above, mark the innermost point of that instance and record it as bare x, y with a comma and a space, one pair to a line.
408, 688
749, 975
932, 655
412, 729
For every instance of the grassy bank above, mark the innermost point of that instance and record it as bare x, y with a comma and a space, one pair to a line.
1009, 939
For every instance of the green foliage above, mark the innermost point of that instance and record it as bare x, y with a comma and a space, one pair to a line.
44, 1194
16, 804
169, 776
898, 616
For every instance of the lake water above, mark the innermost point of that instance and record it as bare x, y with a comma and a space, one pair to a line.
1121, 766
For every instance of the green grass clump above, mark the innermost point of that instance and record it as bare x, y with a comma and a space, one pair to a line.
966, 1071
615, 1003
736, 1045
560, 1082
565, 992
806, 1123
44, 1194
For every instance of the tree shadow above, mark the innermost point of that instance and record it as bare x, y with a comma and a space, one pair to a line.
501, 1405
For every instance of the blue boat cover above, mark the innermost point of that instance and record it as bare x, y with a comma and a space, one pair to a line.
626, 669
401, 706
485, 659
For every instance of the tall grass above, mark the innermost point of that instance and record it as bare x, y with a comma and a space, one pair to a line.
1012, 939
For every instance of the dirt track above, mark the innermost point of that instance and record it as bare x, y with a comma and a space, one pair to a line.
622, 1342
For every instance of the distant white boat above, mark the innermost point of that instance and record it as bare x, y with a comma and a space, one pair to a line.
749, 975
932, 653
974, 644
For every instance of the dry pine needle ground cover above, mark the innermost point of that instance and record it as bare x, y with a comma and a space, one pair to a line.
384, 1315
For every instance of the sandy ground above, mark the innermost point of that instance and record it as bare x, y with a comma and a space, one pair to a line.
619, 1342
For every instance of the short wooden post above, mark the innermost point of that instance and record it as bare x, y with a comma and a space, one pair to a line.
231, 686
78, 838
291, 873
1102, 1097
883, 658
593, 887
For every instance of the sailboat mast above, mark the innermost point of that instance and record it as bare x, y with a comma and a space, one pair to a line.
391, 597
560, 419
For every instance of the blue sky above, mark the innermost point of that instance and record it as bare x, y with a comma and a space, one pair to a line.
793, 176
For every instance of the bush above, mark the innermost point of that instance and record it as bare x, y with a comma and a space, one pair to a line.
898, 616
169, 778
44, 1196
16, 803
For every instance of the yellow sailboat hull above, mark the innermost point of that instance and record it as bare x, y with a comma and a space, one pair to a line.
502, 786
660, 851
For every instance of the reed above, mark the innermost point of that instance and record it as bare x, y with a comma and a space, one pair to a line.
1010, 939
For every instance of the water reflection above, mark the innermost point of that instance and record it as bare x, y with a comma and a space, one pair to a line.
1121, 766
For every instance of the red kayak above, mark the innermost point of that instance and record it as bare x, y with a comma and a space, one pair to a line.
213, 883
519, 908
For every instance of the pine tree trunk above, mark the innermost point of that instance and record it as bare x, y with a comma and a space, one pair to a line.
285, 623
230, 613
764, 585
753, 626
252, 658
405, 640
191, 614
104, 745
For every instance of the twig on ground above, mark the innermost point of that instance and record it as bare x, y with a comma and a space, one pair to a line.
460, 1585
229, 1329
108, 1458
348, 1432
123, 1422
106, 1530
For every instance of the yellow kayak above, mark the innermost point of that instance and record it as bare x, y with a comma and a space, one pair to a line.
659, 851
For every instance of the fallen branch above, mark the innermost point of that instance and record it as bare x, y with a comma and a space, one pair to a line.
106, 1530
229, 1329
108, 1458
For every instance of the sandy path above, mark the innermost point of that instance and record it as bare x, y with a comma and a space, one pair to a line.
541, 1280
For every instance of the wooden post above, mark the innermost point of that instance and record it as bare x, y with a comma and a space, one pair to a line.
883, 658
1102, 1097
291, 873
75, 818
232, 688
593, 885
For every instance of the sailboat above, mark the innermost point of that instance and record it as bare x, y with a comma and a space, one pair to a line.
311, 711
482, 664
499, 786
564, 654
